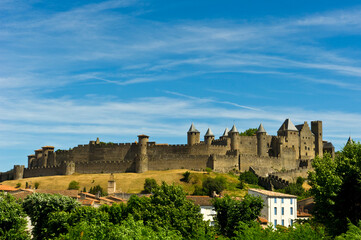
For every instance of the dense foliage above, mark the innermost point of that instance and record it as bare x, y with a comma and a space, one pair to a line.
210, 185
249, 132
39, 206
149, 185
232, 215
12, 218
168, 208
248, 177
98, 190
336, 186
186, 177
73, 185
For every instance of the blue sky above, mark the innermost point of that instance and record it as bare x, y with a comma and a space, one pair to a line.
71, 71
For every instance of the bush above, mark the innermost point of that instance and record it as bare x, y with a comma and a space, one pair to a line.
98, 189
36, 185
208, 170
12, 218
18, 185
211, 185
231, 213
248, 177
73, 185
186, 177
39, 206
149, 185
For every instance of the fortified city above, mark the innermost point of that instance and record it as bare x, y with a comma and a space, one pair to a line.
293, 148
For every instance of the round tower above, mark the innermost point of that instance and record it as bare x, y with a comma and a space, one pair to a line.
234, 138
141, 163
261, 141
193, 136
209, 137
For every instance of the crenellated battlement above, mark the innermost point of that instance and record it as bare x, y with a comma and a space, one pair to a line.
285, 155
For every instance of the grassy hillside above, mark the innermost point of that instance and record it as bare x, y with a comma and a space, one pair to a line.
130, 182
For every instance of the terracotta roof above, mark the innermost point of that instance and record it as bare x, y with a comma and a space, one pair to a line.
87, 202
262, 220
88, 195
271, 194
7, 188
303, 214
116, 199
69, 193
201, 200
21, 194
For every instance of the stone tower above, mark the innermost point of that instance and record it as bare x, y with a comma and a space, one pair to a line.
234, 134
193, 136
209, 137
261, 141
290, 133
316, 128
141, 164
111, 185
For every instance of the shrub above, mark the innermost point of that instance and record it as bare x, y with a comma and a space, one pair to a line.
186, 177
36, 185
208, 170
211, 185
18, 185
149, 185
73, 185
98, 189
248, 177
12, 218
39, 206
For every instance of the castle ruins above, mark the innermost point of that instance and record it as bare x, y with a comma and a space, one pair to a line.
292, 148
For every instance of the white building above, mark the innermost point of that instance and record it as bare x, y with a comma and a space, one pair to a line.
206, 206
279, 208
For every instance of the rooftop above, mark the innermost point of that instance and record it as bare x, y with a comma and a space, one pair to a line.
7, 188
271, 194
201, 200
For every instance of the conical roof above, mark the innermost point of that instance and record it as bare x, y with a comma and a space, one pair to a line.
225, 133
349, 140
261, 129
193, 129
209, 133
234, 129
288, 126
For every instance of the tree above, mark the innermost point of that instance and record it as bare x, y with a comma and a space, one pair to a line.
217, 184
353, 232
186, 177
98, 189
73, 185
12, 218
336, 186
233, 214
149, 185
249, 132
248, 177
39, 206
168, 208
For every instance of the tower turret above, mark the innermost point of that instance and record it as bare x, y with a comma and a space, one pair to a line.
261, 141
316, 128
209, 137
193, 136
142, 158
234, 134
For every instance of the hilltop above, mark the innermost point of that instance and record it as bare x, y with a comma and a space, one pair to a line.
130, 182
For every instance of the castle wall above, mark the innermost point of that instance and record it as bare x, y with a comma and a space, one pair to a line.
113, 152
248, 144
105, 167
9, 175
225, 163
178, 161
43, 171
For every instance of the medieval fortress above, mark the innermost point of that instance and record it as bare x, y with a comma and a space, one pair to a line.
293, 148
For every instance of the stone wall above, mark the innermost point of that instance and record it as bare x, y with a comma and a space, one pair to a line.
224, 163
178, 161
105, 167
